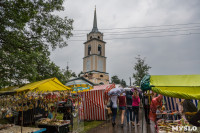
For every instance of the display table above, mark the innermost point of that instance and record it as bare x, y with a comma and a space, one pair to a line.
58, 126
17, 129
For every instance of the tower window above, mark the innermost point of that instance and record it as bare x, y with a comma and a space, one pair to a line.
99, 50
98, 37
89, 49
101, 76
90, 37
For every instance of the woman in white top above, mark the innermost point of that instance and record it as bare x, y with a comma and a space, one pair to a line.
114, 108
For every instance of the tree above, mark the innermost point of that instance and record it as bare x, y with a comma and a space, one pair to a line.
141, 69
27, 30
69, 74
79, 75
115, 79
123, 83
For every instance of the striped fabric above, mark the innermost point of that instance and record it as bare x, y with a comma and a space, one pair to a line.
93, 102
172, 105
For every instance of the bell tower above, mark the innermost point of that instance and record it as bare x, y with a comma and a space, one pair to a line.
94, 60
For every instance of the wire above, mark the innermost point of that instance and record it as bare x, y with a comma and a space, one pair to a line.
144, 26
165, 29
185, 34
144, 32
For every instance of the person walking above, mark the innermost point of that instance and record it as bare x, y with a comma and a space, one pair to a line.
135, 107
122, 107
114, 108
129, 106
146, 106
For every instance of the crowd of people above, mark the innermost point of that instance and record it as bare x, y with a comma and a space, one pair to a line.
129, 104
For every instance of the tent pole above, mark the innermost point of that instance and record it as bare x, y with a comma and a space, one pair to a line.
142, 110
22, 113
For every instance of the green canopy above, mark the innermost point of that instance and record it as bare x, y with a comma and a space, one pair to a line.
179, 86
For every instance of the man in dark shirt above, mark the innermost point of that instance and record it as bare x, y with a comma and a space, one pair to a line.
129, 105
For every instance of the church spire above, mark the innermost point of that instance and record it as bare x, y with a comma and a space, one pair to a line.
95, 29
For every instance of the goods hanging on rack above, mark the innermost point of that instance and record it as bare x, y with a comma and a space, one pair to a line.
39, 95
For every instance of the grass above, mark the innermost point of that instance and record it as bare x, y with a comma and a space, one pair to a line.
88, 125
85, 125
5, 121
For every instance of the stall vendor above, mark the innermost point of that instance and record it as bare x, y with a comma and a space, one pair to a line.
152, 114
50, 114
68, 115
193, 114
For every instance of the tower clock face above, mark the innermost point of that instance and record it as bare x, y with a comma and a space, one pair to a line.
88, 65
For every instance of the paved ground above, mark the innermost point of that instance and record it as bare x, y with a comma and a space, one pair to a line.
107, 127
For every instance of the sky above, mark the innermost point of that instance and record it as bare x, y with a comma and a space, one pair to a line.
164, 32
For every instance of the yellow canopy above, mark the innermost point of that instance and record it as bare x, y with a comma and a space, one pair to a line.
52, 84
180, 86
8, 89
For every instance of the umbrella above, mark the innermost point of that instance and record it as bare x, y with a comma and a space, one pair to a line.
116, 91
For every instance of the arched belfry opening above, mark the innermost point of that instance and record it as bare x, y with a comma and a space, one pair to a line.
99, 50
89, 49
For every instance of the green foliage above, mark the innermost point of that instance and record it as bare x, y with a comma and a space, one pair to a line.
69, 74
79, 75
141, 69
123, 83
115, 79
27, 30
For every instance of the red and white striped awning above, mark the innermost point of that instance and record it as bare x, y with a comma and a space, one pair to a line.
93, 102
107, 87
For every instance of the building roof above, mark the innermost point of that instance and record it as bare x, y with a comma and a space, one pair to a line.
80, 78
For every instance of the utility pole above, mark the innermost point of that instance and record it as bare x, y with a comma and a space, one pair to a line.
130, 80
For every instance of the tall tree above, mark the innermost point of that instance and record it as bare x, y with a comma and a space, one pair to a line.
115, 79
141, 69
27, 30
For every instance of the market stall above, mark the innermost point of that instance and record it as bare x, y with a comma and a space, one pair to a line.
173, 86
31, 97
94, 102
79, 86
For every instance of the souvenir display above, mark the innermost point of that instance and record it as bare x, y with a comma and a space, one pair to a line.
166, 126
52, 122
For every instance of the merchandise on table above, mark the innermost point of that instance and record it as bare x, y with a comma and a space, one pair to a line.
4, 126
47, 121
165, 126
